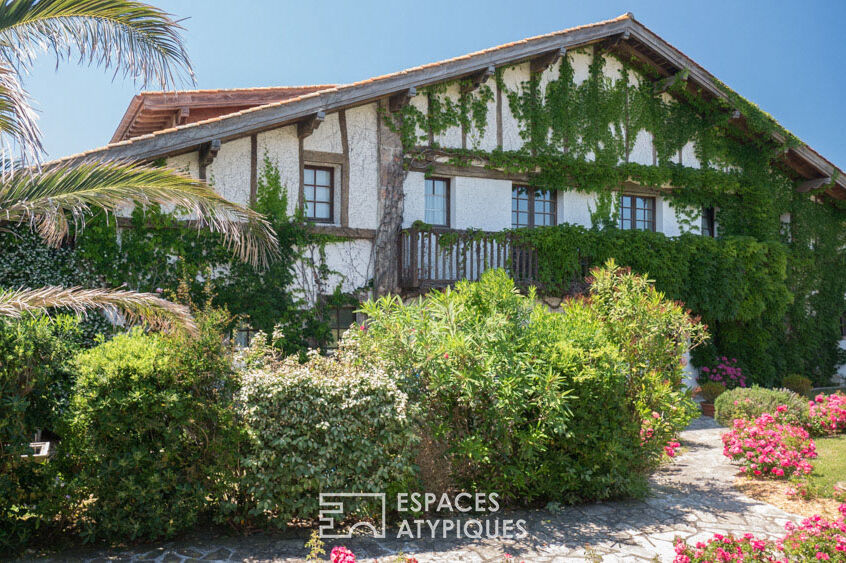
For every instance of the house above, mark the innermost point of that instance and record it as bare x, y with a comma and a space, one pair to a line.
453, 146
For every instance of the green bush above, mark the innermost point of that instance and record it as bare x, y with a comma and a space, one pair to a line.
711, 390
749, 403
150, 433
798, 384
324, 425
34, 380
535, 404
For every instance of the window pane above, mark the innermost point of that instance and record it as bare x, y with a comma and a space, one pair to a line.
308, 175
437, 201
322, 177
322, 194
308, 192
321, 210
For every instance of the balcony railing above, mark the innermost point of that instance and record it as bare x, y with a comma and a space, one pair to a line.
440, 257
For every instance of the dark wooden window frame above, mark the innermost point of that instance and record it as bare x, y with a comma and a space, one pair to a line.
633, 221
448, 182
531, 193
331, 170
708, 222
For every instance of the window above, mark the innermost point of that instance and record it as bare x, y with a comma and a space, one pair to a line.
637, 212
319, 193
242, 336
532, 207
437, 201
340, 319
708, 222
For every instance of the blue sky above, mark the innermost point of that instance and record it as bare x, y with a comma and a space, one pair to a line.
787, 57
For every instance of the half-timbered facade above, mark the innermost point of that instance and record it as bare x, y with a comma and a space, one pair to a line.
344, 162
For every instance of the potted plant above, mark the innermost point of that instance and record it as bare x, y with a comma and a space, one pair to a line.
709, 392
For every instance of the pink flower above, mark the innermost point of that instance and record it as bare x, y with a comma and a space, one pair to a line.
341, 554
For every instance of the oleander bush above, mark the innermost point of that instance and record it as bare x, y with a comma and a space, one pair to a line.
150, 433
323, 425
748, 403
534, 404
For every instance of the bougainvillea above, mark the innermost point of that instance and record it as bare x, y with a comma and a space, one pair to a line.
827, 414
767, 447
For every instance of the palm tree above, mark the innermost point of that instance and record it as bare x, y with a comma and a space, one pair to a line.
144, 44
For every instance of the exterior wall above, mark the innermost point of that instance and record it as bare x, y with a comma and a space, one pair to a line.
229, 173
281, 146
364, 166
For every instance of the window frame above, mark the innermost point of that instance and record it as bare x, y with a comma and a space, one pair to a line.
336, 330
447, 199
633, 218
331, 170
531, 195
709, 221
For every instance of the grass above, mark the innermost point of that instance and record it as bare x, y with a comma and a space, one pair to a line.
829, 467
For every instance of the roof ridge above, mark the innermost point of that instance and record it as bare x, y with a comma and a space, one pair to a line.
239, 89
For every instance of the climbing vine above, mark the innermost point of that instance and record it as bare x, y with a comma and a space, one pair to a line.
581, 137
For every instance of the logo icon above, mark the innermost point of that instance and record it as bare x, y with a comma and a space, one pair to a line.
332, 508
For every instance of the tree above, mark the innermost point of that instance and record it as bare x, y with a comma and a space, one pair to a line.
143, 43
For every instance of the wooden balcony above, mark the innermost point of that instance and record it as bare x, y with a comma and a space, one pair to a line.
441, 257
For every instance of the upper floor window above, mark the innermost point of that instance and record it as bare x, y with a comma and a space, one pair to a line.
437, 201
637, 212
708, 222
319, 193
532, 207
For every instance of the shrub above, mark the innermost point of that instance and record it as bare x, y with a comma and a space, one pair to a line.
751, 402
815, 539
711, 390
727, 548
799, 384
767, 447
324, 425
535, 404
150, 432
827, 414
34, 379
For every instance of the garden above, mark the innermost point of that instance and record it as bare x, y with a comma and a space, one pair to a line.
478, 387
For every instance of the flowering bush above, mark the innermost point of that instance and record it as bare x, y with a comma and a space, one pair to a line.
727, 373
749, 403
727, 548
827, 414
341, 554
767, 447
815, 539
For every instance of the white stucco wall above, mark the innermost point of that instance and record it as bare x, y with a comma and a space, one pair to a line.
512, 78
327, 137
480, 203
364, 166
414, 204
452, 136
229, 173
282, 148
575, 208
486, 141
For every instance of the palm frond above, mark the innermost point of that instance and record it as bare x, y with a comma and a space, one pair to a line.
48, 200
18, 121
158, 313
142, 41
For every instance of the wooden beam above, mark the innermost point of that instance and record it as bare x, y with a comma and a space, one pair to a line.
399, 101
615, 42
813, 185
307, 126
546, 60
208, 152
182, 115
477, 79
665, 84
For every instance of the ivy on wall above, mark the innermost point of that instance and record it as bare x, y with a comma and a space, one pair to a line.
156, 253
581, 136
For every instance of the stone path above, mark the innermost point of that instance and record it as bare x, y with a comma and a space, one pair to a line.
692, 498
